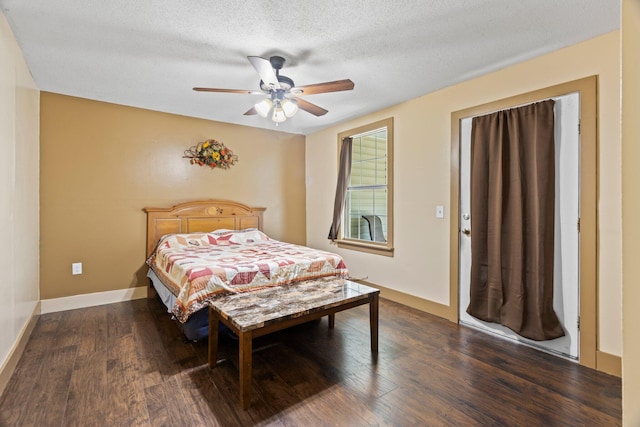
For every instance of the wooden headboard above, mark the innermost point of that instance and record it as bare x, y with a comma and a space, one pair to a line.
199, 216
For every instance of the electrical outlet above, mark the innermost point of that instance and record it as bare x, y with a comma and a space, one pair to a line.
439, 211
76, 268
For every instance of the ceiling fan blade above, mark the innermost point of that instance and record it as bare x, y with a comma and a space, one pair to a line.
265, 71
252, 111
335, 86
310, 108
211, 89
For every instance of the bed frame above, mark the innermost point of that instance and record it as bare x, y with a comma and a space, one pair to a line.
198, 216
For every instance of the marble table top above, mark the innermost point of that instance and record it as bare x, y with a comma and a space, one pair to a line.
253, 310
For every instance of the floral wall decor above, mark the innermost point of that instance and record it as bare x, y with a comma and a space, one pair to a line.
211, 153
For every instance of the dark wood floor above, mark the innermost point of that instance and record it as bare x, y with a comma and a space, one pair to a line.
126, 364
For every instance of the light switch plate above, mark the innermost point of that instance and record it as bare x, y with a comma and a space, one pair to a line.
439, 211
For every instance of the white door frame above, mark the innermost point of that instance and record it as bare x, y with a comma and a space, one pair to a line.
588, 202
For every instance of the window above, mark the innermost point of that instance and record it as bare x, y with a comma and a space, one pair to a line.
367, 222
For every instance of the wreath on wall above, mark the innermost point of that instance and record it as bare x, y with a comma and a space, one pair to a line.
211, 153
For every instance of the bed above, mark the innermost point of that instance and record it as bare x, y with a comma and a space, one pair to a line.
197, 251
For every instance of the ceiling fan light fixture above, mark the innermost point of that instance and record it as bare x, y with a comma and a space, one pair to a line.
290, 107
278, 88
263, 107
279, 115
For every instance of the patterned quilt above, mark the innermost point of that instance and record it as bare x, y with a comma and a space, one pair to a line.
197, 267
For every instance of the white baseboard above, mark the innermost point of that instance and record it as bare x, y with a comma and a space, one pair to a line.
90, 300
9, 365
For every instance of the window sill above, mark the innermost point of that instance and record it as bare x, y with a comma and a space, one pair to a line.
365, 247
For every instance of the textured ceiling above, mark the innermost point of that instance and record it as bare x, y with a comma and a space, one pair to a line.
151, 53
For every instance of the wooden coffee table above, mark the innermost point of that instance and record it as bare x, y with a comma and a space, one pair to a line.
253, 314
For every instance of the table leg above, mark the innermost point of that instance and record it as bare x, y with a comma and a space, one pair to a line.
373, 321
332, 321
245, 343
213, 338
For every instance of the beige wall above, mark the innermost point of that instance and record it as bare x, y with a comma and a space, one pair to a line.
630, 209
420, 266
102, 163
19, 103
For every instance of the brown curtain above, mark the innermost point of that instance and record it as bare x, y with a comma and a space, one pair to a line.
344, 173
512, 218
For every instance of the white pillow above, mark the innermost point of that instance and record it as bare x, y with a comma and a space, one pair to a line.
250, 235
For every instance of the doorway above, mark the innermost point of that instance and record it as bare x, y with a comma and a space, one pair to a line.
580, 343
566, 236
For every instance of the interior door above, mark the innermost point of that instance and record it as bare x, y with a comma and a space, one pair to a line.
567, 214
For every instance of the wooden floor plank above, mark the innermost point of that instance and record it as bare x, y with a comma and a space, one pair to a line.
28, 371
68, 331
569, 379
93, 331
206, 402
165, 404
48, 396
225, 377
87, 404
125, 387
128, 364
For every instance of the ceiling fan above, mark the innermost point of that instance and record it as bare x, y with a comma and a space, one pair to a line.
281, 92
